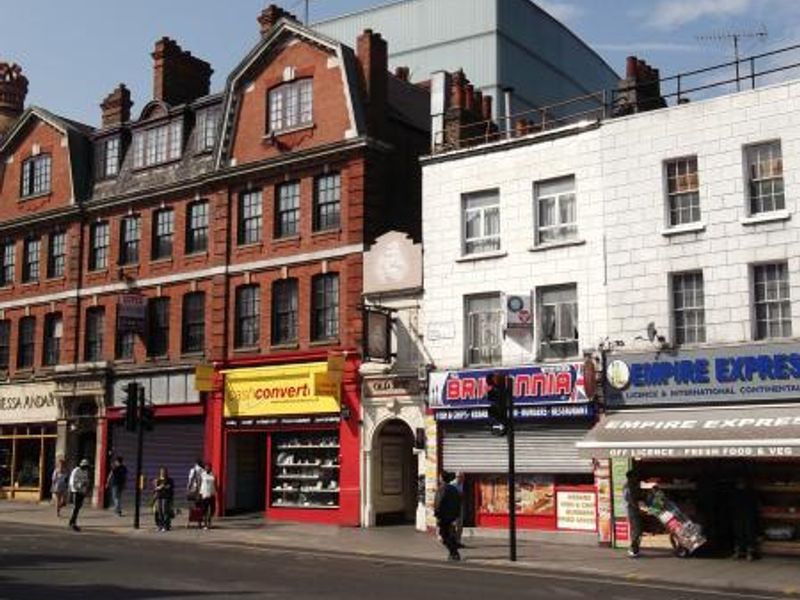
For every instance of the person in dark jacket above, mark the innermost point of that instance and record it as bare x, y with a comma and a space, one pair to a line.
163, 495
447, 510
745, 520
632, 492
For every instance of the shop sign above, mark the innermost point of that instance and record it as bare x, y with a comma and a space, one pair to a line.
283, 421
282, 390
532, 384
518, 311
576, 510
131, 311
204, 378
28, 403
522, 413
767, 372
392, 386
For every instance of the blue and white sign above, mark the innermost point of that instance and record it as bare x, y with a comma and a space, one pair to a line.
767, 372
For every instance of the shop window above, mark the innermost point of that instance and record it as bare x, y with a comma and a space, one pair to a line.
773, 307
287, 211
95, 330
56, 254
249, 223
36, 176
481, 222
194, 322
484, 329
5, 343
325, 306
765, 177
197, 227
129, 237
27, 342
248, 315
163, 230
30, 260
305, 469
98, 249
158, 327
558, 319
556, 219
284, 311
8, 263
683, 191
290, 105
688, 306
53, 331
327, 202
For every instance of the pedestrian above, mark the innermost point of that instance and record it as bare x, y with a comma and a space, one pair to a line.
208, 495
117, 479
632, 493
59, 485
193, 481
447, 510
163, 496
78, 487
458, 526
745, 520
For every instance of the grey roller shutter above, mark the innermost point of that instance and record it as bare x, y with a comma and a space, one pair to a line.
539, 449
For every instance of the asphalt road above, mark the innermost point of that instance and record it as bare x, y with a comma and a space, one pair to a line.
54, 564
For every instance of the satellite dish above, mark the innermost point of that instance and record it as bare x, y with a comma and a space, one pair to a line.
651, 331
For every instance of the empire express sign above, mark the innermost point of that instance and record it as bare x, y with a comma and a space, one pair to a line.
285, 390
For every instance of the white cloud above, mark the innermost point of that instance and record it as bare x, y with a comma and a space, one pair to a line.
563, 11
671, 14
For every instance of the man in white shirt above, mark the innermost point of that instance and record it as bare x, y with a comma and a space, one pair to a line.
208, 493
78, 487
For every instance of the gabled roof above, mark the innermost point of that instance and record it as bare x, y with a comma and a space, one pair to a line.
286, 27
78, 145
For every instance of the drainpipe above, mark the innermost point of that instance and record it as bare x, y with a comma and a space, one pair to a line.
507, 91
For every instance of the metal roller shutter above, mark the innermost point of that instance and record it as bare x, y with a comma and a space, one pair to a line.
174, 444
539, 449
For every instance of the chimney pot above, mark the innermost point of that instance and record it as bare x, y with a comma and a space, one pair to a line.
178, 77
13, 90
116, 106
270, 16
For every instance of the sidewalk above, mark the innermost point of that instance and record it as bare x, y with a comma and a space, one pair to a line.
772, 575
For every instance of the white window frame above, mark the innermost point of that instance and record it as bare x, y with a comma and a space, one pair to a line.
686, 190
754, 164
158, 145
291, 105
560, 191
484, 203
774, 300
691, 307
548, 346
483, 351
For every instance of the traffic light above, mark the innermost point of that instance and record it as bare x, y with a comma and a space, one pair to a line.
499, 396
131, 406
148, 417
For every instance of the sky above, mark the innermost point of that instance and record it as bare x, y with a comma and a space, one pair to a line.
74, 52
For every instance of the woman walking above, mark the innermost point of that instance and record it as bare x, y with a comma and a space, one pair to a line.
208, 495
163, 495
59, 485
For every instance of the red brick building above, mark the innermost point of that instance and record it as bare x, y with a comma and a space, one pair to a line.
223, 229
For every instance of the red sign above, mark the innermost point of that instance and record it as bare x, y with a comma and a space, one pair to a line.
621, 530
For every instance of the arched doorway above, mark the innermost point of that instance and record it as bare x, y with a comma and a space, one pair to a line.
394, 474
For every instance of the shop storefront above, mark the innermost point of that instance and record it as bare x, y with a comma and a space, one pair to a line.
28, 433
555, 486
702, 426
290, 443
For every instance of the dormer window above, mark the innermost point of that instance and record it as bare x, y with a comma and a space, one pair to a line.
35, 176
108, 157
207, 127
157, 145
290, 106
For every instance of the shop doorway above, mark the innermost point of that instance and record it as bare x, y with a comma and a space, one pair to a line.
394, 474
246, 478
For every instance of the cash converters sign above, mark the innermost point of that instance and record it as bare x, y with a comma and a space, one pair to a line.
722, 374
531, 384
285, 390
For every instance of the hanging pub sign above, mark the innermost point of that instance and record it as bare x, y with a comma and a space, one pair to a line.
131, 311
377, 341
518, 311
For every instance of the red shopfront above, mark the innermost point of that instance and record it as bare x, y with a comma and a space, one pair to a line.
285, 441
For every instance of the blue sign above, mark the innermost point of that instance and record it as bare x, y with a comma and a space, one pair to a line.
721, 374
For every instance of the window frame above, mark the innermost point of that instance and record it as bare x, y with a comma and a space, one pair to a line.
31, 260
36, 176
158, 144
56, 263
196, 232
494, 240
53, 334
750, 181
285, 106
26, 343
98, 254
163, 234
111, 159
5, 344
252, 224
207, 135
247, 325
782, 303
674, 197
548, 348
494, 351
8, 267
158, 313
565, 231
94, 334
325, 307
129, 248
322, 220
285, 308
681, 311
287, 217
124, 345
192, 321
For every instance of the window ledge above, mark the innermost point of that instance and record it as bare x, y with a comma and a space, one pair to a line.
259, 244
102, 271
193, 355
28, 284
553, 245
197, 254
247, 349
482, 256
767, 217
687, 228
286, 346
158, 261
331, 231
55, 278
270, 135
325, 342
34, 196
124, 361
286, 239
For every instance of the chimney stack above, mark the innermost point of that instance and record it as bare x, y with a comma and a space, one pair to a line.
13, 89
466, 120
640, 91
373, 56
178, 77
270, 16
116, 107
402, 73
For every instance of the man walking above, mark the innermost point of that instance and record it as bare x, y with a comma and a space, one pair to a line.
78, 487
447, 511
117, 479
632, 493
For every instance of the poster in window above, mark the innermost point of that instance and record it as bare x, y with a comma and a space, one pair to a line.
535, 495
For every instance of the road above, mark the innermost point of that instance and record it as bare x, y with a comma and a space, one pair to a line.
53, 564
